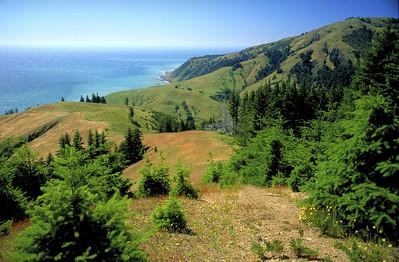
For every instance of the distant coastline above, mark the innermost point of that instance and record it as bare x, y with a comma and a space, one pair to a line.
163, 77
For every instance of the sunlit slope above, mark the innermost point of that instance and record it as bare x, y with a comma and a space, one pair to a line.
198, 93
352, 37
193, 148
202, 82
52, 120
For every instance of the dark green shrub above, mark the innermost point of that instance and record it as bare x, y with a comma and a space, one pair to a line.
358, 178
13, 202
154, 180
214, 172
28, 173
263, 157
302, 251
182, 187
99, 175
170, 216
300, 176
71, 223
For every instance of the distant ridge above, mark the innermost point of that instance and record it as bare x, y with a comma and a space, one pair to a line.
325, 56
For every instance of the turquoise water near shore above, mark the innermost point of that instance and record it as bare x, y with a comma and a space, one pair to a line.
30, 77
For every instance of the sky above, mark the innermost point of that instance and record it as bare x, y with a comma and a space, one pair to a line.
172, 23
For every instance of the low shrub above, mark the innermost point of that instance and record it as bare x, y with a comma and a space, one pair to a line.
265, 250
302, 251
170, 216
324, 218
155, 179
214, 172
279, 180
359, 251
182, 187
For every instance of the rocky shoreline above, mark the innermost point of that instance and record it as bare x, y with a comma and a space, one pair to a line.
163, 77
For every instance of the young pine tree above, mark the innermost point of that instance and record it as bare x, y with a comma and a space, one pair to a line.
234, 105
69, 223
132, 146
77, 140
65, 140
181, 185
358, 178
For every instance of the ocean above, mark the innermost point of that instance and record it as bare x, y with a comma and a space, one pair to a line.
31, 77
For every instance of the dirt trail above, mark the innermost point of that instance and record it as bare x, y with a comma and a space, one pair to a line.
271, 215
226, 223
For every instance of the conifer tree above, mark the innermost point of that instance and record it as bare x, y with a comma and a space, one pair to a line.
70, 223
90, 138
81, 99
65, 140
77, 140
132, 146
379, 72
131, 112
234, 104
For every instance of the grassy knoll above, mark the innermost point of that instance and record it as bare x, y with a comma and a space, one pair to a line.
191, 147
68, 116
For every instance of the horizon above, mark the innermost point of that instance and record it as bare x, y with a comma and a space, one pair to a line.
170, 25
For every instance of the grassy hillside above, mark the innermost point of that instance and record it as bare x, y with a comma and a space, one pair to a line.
198, 93
334, 51
351, 37
194, 148
53, 120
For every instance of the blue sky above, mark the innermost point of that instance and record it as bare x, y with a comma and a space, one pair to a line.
172, 24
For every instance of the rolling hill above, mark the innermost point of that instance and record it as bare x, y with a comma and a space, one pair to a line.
327, 56
45, 124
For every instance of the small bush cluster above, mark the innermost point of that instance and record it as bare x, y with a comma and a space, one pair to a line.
155, 179
359, 251
326, 219
182, 187
214, 172
265, 250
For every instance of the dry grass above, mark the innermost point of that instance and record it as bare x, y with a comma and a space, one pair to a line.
191, 147
7, 242
71, 116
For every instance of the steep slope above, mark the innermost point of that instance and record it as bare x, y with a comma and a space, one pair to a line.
330, 45
326, 56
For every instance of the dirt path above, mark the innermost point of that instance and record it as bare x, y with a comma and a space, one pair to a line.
226, 223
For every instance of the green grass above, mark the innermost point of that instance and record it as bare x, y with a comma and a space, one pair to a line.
195, 92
